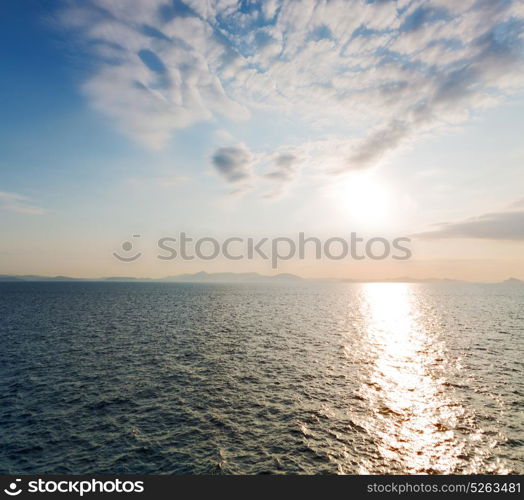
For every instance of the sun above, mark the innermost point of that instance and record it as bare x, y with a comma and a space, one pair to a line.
366, 199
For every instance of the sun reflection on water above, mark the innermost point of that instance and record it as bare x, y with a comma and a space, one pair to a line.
413, 418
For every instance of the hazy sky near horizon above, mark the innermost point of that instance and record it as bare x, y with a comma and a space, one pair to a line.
262, 118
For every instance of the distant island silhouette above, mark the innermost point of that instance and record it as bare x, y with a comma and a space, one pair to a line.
230, 277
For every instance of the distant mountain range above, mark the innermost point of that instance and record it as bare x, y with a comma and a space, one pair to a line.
403, 279
203, 277
34, 277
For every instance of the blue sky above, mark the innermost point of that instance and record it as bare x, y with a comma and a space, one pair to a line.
223, 117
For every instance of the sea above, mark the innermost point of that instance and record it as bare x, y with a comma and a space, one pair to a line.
273, 378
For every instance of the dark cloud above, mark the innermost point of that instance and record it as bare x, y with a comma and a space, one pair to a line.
232, 162
494, 226
285, 167
455, 86
373, 147
286, 160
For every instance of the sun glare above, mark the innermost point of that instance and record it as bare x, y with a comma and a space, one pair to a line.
366, 199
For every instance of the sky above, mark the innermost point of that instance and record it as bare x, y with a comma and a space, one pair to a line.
225, 118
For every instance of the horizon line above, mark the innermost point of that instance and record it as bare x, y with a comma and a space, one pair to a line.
4, 277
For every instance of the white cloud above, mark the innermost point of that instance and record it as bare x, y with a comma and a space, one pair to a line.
393, 70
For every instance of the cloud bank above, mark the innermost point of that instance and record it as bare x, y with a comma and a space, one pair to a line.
393, 70
493, 226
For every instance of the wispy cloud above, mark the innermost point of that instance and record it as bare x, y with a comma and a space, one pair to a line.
18, 203
284, 167
395, 70
518, 204
507, 225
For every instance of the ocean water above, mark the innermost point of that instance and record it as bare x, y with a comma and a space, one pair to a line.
247, 379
